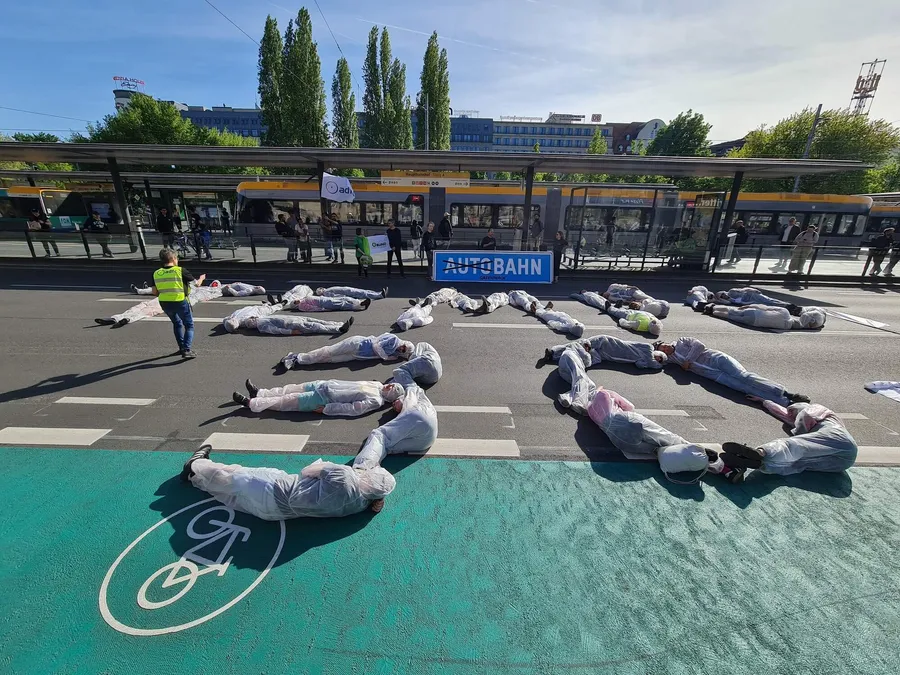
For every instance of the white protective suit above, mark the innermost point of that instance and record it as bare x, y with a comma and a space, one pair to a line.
560, 321
384, 347
349, 292
415, 317
442, 295
337, 397
698, 294
493, 302
297, 293
523, 300
636, 320
413, 430
321, 490
748, 296
760, 316
315, 303
819, 441
246, 317
465, 303
658, 308
148, 308
693, 355
632, 433
608, 348
591, 299
625, 293
573, 363
810, 318
146, 290
424, 366
886, 388
295, 325
239, 289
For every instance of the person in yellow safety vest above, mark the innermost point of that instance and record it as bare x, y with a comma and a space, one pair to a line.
635, 319
171, 287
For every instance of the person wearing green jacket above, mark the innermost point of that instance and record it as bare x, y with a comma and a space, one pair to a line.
363, 254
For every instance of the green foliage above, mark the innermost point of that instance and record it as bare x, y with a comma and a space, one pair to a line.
398, 113
839, 135
435, 89
373, 101
302, 89
343, 107
41, 137
269, 71
886, 178
387, 107
684, 136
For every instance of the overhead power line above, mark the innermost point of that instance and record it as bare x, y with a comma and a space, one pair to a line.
34, 112
333, 37
225, 16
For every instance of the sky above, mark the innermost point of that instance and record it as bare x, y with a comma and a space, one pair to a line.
740, 64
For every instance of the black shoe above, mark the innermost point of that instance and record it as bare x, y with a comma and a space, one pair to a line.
699, 306
708, 310
384, 291
365, 304
271, 299
548, 356
202, 453
794, 310
280, 298
188, 354
619, 304
104, 322
240, 399
134, 289
734, 475
252, 389
120, 323
415, 302
549, 305
797, 398
347, 324
741, 450
427, 301
738, 462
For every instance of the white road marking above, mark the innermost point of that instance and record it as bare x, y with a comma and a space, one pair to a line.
475, 324
472, 447
503, 410
197, 319
851, 416
68, 288
93, 400
133, 299
51, 436
257, 442
663, 413
878, 454
848, 333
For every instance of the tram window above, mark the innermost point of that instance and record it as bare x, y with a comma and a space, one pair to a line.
824, 221
17, 207
758, 223
594, 217
860, 225
408, 213
512, 216
378, 213
628, 220
63, 203
845, 227
476, 215
784, 219
346, 212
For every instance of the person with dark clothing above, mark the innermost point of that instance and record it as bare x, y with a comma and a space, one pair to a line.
40, 225
788, 234
226, 222
610, 231
171, 284
337, 238
537, 234
489, 243
202, 235
100, 230
445, 229
166, 227
415, 236
286, 228
879, 248
895, 258
176, 219
559, 247
429, 243
395, 243
303, 242
194, 219
739, 240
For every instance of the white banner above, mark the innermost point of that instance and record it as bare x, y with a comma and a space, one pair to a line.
337, 188
378, 243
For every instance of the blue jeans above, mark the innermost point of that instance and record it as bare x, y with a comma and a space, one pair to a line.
182, 321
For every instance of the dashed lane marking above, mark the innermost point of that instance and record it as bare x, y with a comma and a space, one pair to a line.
664, 413
197, 319
68, 288
475, 324
257, 442
60, 436
487, 409
94, 400
472, 447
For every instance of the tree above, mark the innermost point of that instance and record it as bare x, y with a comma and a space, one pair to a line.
373, 101
433, 100
399, 114
269, 70
684, 136
302, 88
839, 135
40, 137
343, 114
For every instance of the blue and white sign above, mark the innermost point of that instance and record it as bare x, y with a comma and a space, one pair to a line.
523, 267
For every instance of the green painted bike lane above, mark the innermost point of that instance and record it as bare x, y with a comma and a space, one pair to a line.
473, 566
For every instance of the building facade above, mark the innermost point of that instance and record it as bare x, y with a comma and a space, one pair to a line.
625, 134
558, 133
242, 121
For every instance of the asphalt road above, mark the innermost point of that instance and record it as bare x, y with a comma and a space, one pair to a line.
53, 349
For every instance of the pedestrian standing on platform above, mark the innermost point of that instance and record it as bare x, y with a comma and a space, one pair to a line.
395, 243
202, 235
803, 247
880, 248
415, 236
429, 243
536, 234
337, 237
788, 234
170, 286
739, 240
559, 248
283, 228
166, 227
363, 253
325, 223
895, 257
303, 242
610, 231
100, 230
40, 225
445, 229
226, 222
489, 243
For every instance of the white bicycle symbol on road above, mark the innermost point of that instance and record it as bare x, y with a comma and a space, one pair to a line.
185, 571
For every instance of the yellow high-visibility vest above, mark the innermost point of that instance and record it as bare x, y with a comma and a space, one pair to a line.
169, 284
642, 319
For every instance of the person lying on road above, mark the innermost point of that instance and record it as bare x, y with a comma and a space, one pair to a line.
326, 397
608, 348
424, 366
352, 292
384, 347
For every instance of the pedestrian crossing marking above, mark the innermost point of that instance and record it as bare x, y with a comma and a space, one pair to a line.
290, 443
60, 436
93, 400
487, 409
472, 447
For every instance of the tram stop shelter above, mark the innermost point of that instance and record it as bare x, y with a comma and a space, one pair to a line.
105, 161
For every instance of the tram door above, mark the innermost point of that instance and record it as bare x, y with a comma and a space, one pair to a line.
698, 238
